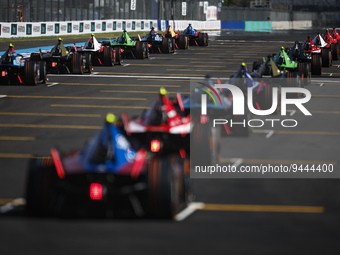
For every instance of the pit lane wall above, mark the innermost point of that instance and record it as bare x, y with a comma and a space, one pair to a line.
36, 29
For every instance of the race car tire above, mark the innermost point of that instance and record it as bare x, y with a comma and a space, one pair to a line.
140, 50
165, 186
40, 178
335, 55
182, 42
108, 56
88, 64
77, 63
316, 64
30, 73
35, 56
326, 57
202, 39
42, 70
166, 45
119, 59
304, 72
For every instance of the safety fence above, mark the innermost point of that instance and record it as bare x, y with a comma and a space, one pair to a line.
36, 29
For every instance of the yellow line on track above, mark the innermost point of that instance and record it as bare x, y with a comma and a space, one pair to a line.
17, 138
49, 126
199, 62
192, 70
326, 96
138, 91
15, 155
174, 65
87, 98
121, 85
264, 208
221, 54
286, 132
325, 112
51, 114
152, 74
100, 106
164, 79
4, 201
277, 161
20, 155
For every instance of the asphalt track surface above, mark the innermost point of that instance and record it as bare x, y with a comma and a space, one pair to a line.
239, 216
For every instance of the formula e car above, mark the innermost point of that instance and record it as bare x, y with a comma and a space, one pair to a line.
315, 53
19, 69
99, 55
193, 38
262, 88
334, 44
283, 71
326, 53
161, 127
299, 55
159, 43
112, 176
61, 60
131, 48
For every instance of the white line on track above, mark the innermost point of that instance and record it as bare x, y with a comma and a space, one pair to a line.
292, 113
126, 65
11, 205
132, 76
238, 161
270, 133
3, 96
53, 84
326, 80
192, 207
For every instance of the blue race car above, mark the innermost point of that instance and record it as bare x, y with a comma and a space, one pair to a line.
193, 38
261, 86
21, 69
160, 43
112, 176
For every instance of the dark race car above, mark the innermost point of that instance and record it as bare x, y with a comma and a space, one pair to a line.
158, 43
21, 69
191, 37
132, 47
112, 176
262, 89
326, 50
99, 55
281, 65
61, 60
316, 57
